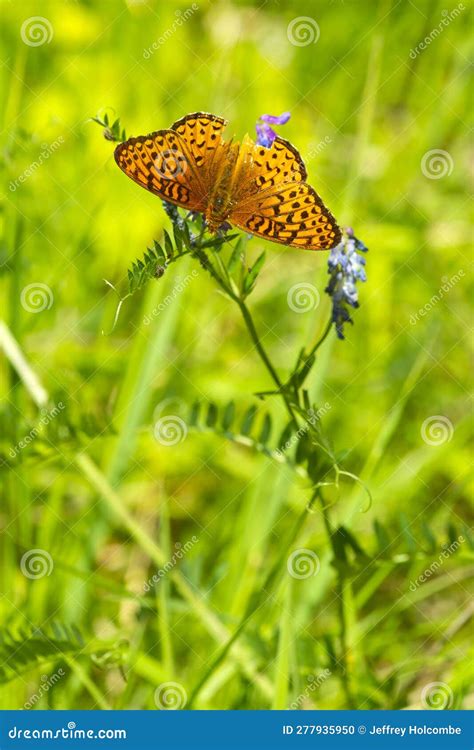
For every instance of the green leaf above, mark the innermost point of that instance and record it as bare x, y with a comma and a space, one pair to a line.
194, 414
248, 420
251, 277
453, 533
343, 540
178, 238
301, 375
285, 436
229, 415
407, 533
217, 242
428, 534
236, 255
144, 270
382, 536
266, 429
159, 252
304, 447
199, 420
331, 653
168, 244
212, 414
186, 236
22, 650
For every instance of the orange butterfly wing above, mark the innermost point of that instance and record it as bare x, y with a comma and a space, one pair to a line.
175, 164
273, 201
268, 195
202, 136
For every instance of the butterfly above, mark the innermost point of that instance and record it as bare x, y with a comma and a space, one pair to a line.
262, 190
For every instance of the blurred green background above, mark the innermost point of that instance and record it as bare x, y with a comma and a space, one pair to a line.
103, 503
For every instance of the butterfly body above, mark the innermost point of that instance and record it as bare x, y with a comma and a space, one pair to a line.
258, 189
220, 198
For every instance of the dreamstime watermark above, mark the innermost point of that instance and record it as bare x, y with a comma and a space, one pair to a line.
47, 682
71, 732
170, 163
313, 418
181, 18
448, 16
178, 288
436, 564
303, 563
46, 417
36, 31
36, 297
437, 430
448, 283
436, 164
169, 429
170, 696
303, 30
317, 148
303, 297
314, 682
437, 695
180, 551
36, 563
47, 150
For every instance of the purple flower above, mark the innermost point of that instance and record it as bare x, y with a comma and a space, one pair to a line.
276, 119
346, 267
265, 134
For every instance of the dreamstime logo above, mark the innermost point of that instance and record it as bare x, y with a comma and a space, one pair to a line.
47, 150
302, 31
448, 16
168, 429
36, 297
169, 163
436, 564
448, 283
303, 563
436, 164
180, 551
437, 430
47, 682
317, 148
36, 31
170, 696
181, 18
313, 418
314, 681
437, 695
36, 563
71, 731
178, 288
302, 297
45, 418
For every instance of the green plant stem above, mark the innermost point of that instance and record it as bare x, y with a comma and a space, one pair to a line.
212, 623
225, 284
342, 583
88, 683
253, 604
264, 356
341, 603
321, 339
301, 365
